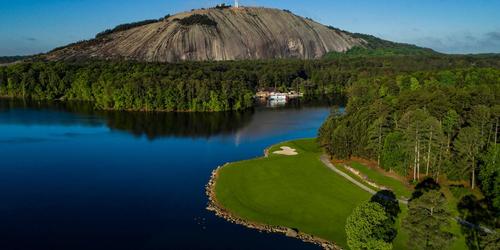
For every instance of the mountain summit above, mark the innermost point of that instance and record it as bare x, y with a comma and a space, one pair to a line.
216, 34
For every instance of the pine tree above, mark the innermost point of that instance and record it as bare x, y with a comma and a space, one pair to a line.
426, 221
479, 117
489, 174
467, 145
433, 138
413, 129
393, 155
451, 124
495, 123
377, 133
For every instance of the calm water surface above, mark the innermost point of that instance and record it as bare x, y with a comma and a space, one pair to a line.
74, 178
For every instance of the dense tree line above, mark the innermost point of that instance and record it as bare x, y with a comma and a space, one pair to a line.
127, 86
127, 26
196, 19
375, 46
222, 6
11, 59
425, 123
381, 52
204, 86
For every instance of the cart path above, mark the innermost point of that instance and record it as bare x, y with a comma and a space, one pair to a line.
327, 163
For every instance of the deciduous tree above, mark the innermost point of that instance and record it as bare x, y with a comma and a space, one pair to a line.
368, 226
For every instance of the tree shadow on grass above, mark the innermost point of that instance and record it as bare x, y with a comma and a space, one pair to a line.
426, 185
388, 200
475, 221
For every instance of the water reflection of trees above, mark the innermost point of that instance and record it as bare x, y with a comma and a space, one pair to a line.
149, 124
194, 125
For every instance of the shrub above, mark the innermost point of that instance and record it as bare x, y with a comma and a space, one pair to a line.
197, 19
222, 6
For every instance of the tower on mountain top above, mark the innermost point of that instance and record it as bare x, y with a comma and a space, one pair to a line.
236, 3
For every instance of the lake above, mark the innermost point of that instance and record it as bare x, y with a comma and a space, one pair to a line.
75, 178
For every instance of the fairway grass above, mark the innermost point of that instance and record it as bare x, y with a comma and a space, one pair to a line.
293, 191
299, 192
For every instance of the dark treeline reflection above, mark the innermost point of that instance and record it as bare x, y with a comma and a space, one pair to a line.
196, 125
25, 112
150, 124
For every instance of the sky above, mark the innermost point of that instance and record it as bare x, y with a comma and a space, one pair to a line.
449, 26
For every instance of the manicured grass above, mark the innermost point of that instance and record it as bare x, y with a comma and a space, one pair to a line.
397, 187
401, 241
292, 191
300, 192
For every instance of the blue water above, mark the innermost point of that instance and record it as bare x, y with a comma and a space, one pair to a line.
74, 178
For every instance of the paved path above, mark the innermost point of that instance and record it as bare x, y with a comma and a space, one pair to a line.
326, 161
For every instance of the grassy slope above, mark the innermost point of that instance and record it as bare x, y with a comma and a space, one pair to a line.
399, 188
299, 192
293, 191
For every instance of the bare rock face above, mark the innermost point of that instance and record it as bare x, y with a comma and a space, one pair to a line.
232, 34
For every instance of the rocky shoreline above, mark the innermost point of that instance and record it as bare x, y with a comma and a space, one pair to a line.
225, 214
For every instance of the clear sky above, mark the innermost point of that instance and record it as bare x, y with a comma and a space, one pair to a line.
451, 26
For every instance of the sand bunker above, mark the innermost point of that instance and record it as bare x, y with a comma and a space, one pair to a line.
286, 151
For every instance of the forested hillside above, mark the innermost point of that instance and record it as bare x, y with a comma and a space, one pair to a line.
205, 86
11, 59
380, 47
427, 123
